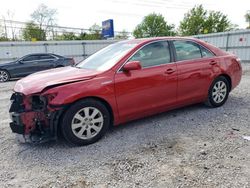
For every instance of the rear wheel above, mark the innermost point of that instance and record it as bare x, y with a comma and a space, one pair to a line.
218, 92
4, 76
85, 122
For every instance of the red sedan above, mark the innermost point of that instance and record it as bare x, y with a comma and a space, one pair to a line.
122, 82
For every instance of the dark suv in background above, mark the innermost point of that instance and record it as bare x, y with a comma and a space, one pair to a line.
32, 63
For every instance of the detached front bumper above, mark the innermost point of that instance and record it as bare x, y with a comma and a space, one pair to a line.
36, 125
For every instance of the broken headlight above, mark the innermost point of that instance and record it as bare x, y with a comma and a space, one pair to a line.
38, 102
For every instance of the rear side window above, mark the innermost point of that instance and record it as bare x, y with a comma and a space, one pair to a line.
46, 57
186, 50
153, 54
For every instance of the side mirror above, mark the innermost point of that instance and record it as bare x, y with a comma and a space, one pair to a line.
132, 65
20, 61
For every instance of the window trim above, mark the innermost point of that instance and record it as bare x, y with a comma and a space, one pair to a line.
201, 46
27, 56
54, 57
191, 41
163, 40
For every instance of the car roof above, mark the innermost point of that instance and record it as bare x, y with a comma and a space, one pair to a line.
146, 40
41, 54
58, 56
143, 41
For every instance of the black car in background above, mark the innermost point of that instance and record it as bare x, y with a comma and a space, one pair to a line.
32, 63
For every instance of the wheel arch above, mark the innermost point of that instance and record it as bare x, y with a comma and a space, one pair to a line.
105, 102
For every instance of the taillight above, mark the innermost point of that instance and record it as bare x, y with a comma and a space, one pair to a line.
238, 60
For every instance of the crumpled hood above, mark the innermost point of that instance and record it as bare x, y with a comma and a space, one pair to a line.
37, 82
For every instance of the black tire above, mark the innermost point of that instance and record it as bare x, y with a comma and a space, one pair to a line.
70, 116
4, 76
211, 100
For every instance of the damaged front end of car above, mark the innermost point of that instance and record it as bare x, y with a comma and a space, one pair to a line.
33, 117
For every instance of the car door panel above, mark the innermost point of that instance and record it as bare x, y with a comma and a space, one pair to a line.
45, 62
194, 75
27, 65
146, 91
26, 68
192, 80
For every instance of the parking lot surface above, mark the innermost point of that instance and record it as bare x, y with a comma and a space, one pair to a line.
195, 146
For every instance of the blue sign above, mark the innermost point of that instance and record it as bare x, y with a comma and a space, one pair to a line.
108, 28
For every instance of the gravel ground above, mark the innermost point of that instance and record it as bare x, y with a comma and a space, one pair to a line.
193, 146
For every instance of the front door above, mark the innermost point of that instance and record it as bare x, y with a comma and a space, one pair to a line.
150, 89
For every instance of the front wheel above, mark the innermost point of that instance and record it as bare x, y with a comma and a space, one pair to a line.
4, 76
85, 122
218, 92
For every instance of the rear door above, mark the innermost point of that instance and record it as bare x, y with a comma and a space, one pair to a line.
149, 90
195, 71
46, 61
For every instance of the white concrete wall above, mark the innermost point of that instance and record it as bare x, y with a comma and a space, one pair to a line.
77, 49
237, 42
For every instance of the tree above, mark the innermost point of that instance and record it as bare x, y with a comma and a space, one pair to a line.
200, 21
94, 33
247, 17
122, 35
153, 25
45, 17
32, 31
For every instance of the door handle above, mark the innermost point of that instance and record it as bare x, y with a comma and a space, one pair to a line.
213, 63
169, 71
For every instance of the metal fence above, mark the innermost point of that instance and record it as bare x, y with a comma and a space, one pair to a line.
77, 49
237, 42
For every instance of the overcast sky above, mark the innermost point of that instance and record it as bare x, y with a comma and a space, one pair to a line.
126, 13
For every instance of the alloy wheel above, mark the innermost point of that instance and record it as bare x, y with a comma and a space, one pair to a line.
3, 76
219, 91
87, 123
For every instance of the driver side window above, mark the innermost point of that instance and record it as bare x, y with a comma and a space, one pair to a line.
153, 54
30, 58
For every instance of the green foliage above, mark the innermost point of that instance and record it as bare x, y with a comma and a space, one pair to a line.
3, 38
32, 31
66, 36
247, 17
200, 21
153, 25
94, 34
45, 18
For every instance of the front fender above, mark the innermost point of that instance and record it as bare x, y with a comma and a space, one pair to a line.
72, 92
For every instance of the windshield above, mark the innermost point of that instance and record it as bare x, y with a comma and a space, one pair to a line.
107, 57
